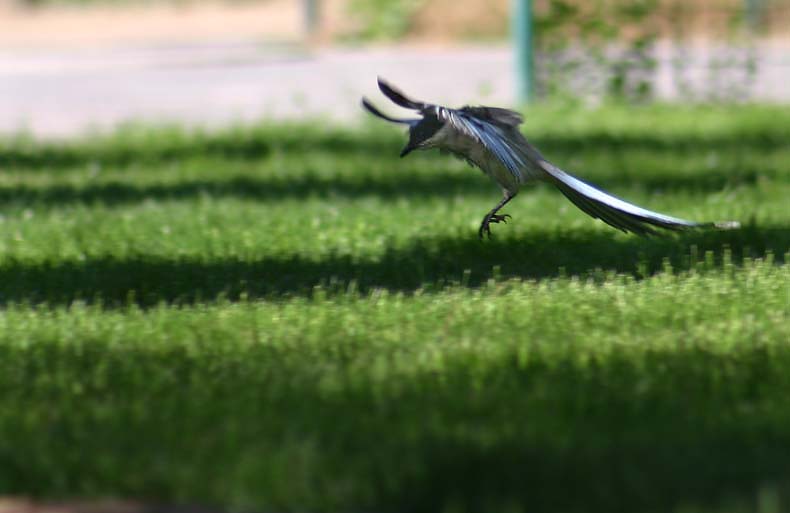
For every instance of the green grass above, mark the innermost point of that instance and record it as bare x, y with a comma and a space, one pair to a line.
288, 317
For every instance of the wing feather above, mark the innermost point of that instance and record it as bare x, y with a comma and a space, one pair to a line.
493, 137
398, 97
496, 115
376, 112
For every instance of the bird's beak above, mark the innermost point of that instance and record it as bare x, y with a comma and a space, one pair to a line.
408, 149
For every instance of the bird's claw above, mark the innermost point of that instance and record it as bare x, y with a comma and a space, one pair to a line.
487, 220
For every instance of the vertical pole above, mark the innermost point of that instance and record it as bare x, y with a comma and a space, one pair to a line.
311, 17
753, 8
521, 27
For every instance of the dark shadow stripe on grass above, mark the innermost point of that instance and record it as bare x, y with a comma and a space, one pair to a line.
261, 189
427, 263
256, 145
159, 145
398, 184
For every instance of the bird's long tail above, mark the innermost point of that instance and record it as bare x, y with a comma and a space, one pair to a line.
616, 212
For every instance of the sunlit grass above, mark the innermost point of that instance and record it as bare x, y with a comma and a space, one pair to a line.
289, 317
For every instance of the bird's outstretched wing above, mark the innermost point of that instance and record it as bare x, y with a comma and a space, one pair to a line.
616, 212
495, 115
376, 112
398, 97
496, 129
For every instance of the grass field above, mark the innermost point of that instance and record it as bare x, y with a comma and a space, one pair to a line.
290, 318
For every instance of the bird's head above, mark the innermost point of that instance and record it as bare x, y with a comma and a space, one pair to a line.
421, 130
421, 134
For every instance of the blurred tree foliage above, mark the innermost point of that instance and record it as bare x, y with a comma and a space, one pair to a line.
600, 48
573, 34
383, 19
596, 40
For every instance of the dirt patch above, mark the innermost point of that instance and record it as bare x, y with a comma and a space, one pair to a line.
448, 20
272, 20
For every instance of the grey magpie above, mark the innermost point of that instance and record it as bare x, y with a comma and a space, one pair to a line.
489, 138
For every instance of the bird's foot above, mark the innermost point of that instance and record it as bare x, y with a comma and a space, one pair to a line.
487, 220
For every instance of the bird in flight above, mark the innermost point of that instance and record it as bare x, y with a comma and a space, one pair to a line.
489, 138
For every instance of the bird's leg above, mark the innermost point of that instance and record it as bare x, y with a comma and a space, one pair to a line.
493, 217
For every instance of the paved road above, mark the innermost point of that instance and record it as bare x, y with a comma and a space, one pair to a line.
63, 92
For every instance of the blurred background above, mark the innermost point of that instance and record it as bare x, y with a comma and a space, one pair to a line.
67, 66
286, 317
